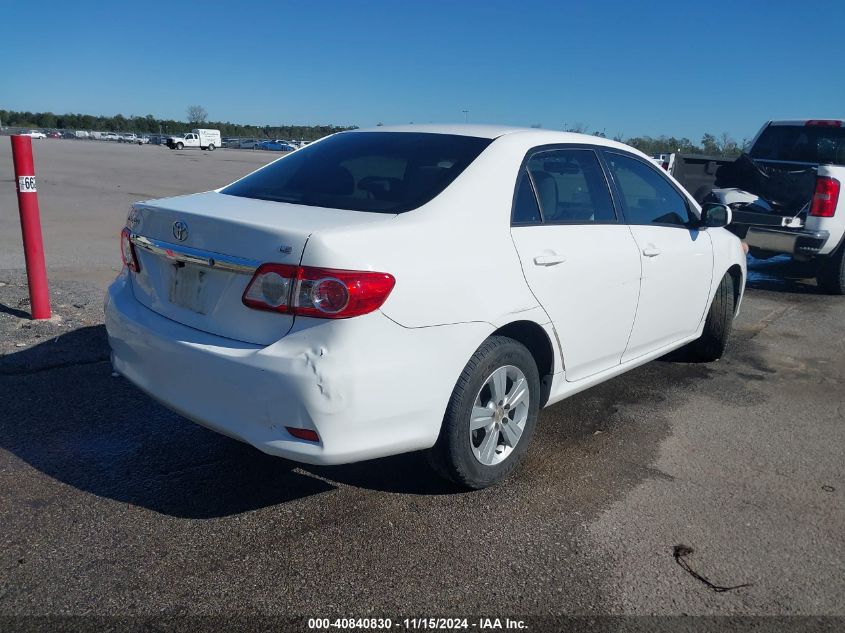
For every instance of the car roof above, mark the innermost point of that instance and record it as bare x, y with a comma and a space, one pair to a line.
536, 136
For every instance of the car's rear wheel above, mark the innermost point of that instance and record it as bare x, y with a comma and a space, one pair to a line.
717, 328
491, 415
831, 275
211, 147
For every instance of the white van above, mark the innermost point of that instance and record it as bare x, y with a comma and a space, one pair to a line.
204, 139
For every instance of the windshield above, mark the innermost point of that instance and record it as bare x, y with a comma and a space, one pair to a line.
386, 172
802, 144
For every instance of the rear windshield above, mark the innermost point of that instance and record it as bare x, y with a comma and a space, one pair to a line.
803, 144
386, 172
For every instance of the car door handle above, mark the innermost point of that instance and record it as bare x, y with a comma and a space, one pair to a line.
549, 260
651, 251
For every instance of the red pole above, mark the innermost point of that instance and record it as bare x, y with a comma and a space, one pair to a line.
33, 246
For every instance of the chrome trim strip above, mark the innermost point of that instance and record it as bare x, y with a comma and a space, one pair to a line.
195, 256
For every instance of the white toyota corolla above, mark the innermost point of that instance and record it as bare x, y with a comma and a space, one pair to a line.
421, 287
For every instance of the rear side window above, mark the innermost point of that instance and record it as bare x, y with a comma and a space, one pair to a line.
571, 187
386, 172
525, 209
647, 197
802, 144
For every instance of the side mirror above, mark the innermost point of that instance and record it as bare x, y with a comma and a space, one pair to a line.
715, 215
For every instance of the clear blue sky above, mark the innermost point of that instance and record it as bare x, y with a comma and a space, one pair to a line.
674, 67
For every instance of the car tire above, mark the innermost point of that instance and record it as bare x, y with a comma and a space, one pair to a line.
717, 328
831, 274
179, 145
501, 369
211, 147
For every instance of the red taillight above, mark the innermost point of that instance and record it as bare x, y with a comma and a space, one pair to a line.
823, 123
127, 252
825, 198
318, 292
303, 434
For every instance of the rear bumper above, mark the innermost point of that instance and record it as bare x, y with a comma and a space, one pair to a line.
368, 386
794, 242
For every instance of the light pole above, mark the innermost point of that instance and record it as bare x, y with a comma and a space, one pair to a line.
466, 115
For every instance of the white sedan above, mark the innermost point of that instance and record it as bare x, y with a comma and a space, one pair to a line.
34, 134
420, 287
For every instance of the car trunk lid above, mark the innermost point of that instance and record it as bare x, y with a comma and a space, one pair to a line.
198, 253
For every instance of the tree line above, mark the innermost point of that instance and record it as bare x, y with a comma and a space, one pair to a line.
721, 145
151, 125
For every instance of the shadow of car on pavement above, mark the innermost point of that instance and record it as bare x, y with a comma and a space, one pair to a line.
64, 413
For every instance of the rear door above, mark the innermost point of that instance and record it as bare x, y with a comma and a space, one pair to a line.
677, 257
579, 260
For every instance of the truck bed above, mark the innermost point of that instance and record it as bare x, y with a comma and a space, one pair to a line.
699, 173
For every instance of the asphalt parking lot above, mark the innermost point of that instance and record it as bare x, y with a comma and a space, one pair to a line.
111, 504
85, 189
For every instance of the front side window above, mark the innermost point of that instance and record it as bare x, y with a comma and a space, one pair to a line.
647, 197
571, 187
383, 172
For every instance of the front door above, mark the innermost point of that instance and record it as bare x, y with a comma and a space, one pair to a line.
676, 255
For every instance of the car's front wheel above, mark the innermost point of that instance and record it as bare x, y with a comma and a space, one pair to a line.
717, 328
491, 415
179, 146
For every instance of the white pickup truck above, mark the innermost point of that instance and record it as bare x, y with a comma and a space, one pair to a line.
201, 138
784, 193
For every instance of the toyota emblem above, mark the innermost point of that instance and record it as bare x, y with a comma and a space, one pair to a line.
180, 231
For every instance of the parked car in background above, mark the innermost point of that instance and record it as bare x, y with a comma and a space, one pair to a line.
199, 138
110, 136
81, 134
143, 139
230, 143
276, 146
68, 134
129, 137
278, 328
247, 143
785, 193
54, 134
34, 134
